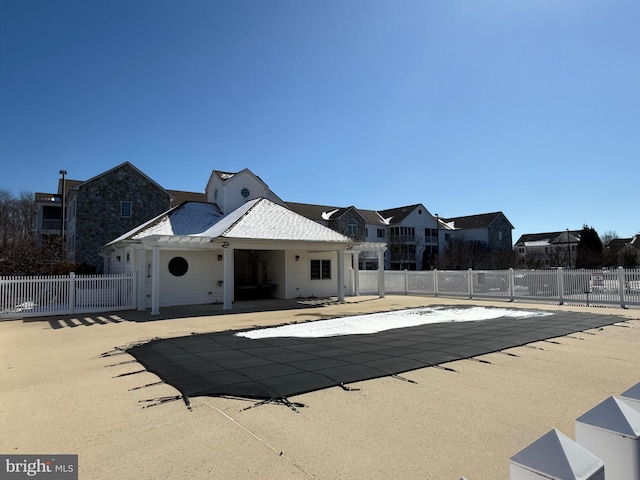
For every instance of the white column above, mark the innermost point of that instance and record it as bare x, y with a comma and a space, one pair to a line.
621, 286
228, 278
155, 282
356, 274
381, 274
560, 280
341, 275
511, 285
142, 278
72, 292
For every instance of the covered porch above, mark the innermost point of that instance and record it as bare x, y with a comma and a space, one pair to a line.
192, 255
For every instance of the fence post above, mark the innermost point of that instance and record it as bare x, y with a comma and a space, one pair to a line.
133, 301
470, 280
621, 286
511, 285
435, 282
561, 285
72, 293
406, 282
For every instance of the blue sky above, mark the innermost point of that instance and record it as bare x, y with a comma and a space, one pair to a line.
530, 107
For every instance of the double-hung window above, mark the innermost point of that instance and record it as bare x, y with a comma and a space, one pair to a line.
320, 269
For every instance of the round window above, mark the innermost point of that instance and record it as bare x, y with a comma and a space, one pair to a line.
245, 192
178, 266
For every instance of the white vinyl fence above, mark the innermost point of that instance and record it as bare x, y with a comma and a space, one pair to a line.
619, 287
65, 294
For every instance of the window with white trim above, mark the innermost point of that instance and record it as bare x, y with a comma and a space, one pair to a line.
320, 269
352, 227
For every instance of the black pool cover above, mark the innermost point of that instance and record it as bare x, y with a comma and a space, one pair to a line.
223, 364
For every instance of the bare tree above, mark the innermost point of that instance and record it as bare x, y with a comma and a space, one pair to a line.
608, 236
463, 253
629, 256
19, 253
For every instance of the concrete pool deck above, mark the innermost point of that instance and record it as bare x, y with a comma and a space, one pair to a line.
58, 396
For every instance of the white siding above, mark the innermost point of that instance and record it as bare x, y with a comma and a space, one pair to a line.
419, 220
299, 275
198, 286
230, 191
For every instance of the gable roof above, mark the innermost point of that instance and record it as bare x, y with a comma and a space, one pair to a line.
118, 167
482, 220
259, 219
324, 213
372, 217
318, 213
532, 239
225, 176
398, 214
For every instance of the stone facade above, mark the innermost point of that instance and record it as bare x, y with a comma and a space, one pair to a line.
341, 224
500, 235
97, 208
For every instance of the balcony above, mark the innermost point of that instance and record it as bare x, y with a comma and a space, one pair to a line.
402, 238
51, 224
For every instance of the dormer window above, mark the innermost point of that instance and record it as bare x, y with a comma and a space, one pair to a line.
125, 209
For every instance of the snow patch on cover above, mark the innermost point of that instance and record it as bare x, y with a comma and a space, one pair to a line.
378, 322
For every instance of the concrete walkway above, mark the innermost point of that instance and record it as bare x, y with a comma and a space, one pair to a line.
58, 395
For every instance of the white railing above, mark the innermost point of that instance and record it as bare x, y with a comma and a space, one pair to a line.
62, 294
618, 287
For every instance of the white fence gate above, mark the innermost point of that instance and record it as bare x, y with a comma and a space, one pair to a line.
62, 294
619, 287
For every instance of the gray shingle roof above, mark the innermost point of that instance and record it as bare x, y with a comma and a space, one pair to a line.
399, 213
547, 237
258, 219
482, 220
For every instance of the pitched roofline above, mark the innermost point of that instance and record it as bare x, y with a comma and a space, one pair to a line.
551, 236
402, 207
390, 215
140, 172
246, 212
233, 174
128, 235
495, 214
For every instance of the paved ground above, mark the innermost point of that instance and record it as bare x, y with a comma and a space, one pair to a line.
58, 395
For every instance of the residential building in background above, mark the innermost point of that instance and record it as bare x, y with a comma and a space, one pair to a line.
548, 250
106, 206
110, 203
48, 207
623, 252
